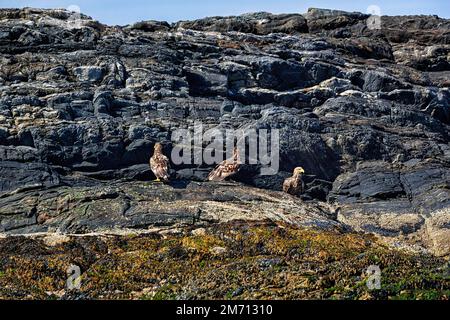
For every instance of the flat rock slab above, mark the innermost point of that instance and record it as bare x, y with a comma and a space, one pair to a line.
149, 205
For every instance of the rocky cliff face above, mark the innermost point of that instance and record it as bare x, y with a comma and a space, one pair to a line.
364, 111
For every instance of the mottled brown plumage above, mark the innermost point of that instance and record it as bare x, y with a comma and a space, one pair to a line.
226, 168
159, 164
294, 185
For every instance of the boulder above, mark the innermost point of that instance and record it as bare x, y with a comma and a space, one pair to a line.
150, 26
89, 73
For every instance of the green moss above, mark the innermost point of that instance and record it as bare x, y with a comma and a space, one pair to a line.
164, 293
430, 294
276, 262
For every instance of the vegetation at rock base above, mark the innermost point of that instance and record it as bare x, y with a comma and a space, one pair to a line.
225, 261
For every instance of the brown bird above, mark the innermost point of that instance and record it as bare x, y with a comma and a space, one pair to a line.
159, 164
226, 168
294, 185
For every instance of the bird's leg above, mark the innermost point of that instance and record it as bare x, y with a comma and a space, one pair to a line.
157, 180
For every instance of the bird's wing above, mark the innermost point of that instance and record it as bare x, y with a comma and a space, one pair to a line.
223, 170
216, 174
288, 186
165, 160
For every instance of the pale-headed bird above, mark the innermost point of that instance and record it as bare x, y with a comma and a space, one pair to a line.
294, 185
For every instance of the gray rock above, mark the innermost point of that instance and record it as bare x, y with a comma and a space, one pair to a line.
206, 82
150, 26
89, 73
16, 176
257, 23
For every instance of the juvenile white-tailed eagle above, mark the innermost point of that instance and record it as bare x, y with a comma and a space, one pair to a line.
160, 164
226, 168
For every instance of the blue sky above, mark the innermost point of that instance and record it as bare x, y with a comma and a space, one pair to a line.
123, 12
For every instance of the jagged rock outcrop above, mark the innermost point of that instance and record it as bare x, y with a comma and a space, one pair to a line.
365, 112
261, 23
